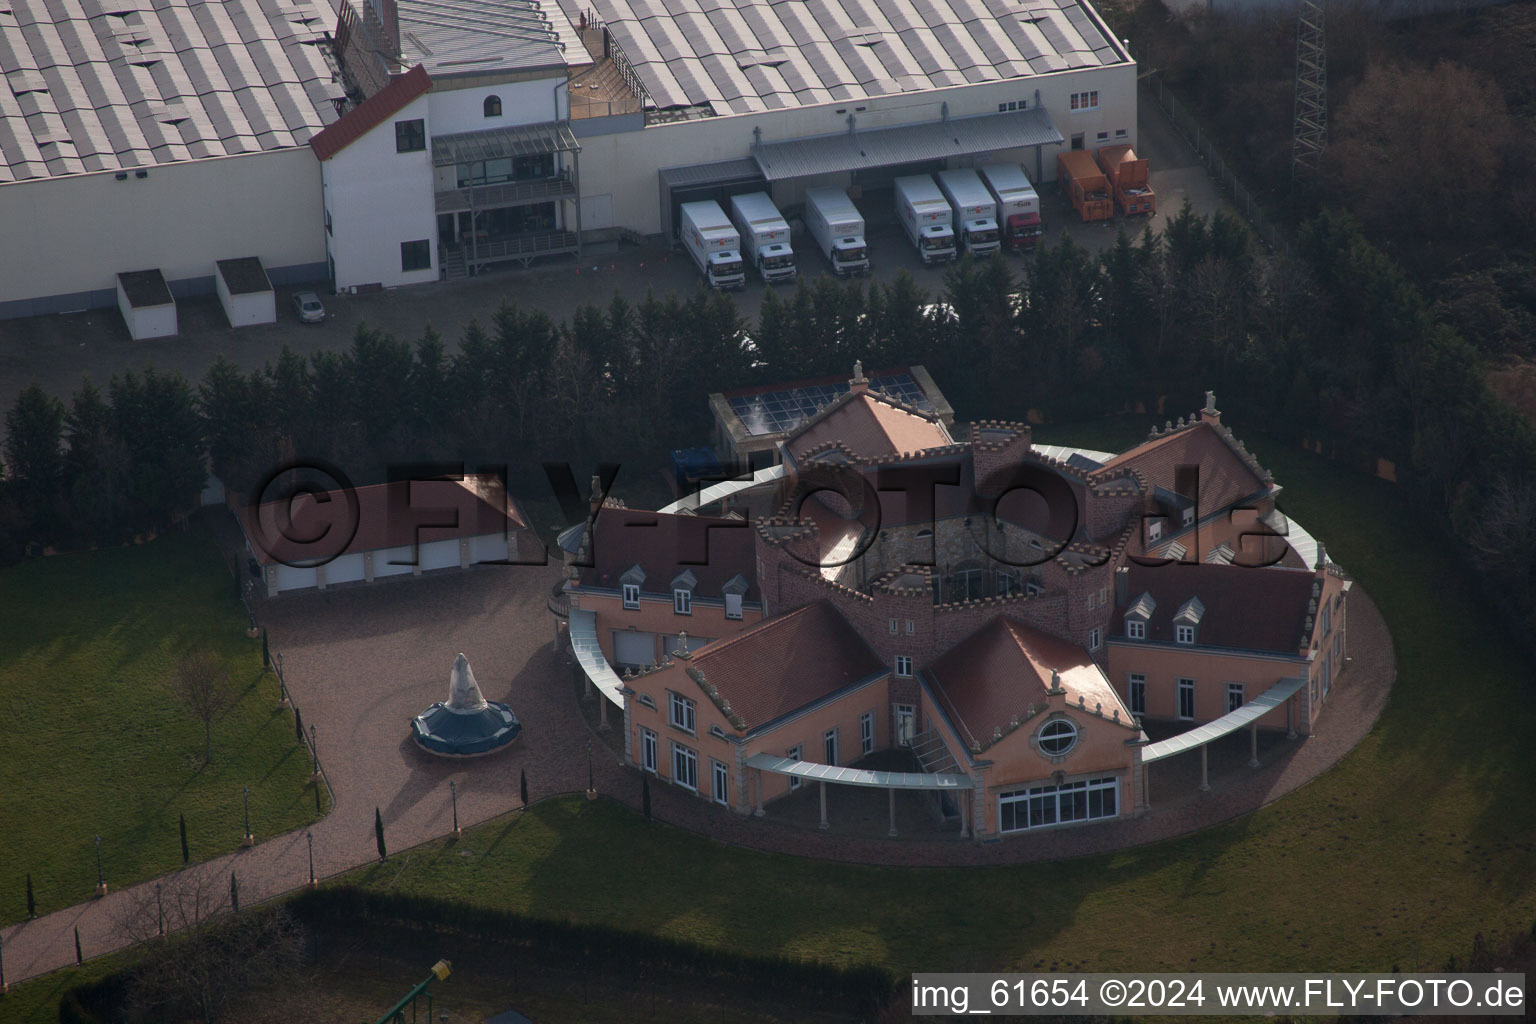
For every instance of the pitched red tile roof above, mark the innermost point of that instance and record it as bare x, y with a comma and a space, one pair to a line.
1255, 609
785, 663
715, 550
371, 113
869, 424
1002, 668
386, 517
1225, 477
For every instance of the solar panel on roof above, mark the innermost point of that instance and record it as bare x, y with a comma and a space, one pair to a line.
774, 412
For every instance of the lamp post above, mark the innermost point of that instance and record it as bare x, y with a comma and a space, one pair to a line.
314, 749
282, 684
591, 783
310, 836
453, 791
101, 879
247, 839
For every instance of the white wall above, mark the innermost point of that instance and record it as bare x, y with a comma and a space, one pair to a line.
377, 199
463, 110
247, 308
624, 165
82, 230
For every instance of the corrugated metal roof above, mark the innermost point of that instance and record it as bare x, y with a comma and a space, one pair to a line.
589, 655
95, 85
826, 50
857, 776
1228, 723
884, 147
708, 174
478, 36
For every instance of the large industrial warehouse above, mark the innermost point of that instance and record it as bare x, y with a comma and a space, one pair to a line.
146, 134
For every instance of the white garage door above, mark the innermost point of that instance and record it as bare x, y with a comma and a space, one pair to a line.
632, 648
290, 578
439, 554
382, 560
346, 569
490, 548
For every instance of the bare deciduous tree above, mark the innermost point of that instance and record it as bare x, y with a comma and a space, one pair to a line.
203, 686
209, 956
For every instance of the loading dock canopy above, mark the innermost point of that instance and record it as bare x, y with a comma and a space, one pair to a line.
906, 144
1228, 723
856, 776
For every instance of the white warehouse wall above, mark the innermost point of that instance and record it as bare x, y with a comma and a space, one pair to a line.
378, 198
69, 237
463, 110
624, 164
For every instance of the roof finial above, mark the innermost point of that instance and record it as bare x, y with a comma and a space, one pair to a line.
1210, 402
858, 370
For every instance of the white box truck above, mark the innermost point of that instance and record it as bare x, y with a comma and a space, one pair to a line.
838, 228
1018, 206
975, 210
926, 216
764, 236
713, 243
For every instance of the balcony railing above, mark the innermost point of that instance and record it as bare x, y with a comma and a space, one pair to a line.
512, 193
559, 601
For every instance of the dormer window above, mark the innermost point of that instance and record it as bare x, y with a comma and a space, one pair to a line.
735, 592
1138, 615
1154, 531
1189, 516
629, 586
1186, 621
682, 592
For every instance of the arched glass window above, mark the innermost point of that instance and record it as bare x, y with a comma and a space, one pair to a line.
493, 106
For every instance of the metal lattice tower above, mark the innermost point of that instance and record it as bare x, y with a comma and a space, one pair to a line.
1310, 134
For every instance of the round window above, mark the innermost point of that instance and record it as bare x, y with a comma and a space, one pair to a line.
1058, 737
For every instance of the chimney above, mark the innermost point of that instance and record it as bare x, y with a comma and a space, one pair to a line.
859, 383
595, 501
1322, 560
389, 17
1210, 414
1122, 586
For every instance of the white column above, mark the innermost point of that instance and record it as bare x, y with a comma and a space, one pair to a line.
759, 773
1205, 781
1253, 745
892, 832
823, 826
602, 715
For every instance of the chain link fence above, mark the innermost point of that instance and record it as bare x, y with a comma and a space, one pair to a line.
1243, 198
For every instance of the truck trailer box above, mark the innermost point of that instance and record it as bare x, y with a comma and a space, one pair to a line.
975, 210
764, 236
1018, 205
926, 216
1129, 179
838, 228
713, 243
1085, 186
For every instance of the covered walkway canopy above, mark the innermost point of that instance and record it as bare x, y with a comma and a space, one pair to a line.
1247, 715
888, 781
589, 655
718, 492
905, 144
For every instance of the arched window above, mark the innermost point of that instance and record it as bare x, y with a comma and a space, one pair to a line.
493, 106
1058, 737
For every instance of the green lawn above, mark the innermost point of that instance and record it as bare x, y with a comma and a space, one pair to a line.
95, 740
1420, 838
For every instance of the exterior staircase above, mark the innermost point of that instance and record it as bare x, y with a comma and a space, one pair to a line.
933, 754
454, 266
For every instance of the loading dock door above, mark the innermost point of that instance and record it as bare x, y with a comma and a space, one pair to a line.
701, 182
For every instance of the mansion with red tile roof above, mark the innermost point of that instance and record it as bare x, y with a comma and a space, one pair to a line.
1009, 619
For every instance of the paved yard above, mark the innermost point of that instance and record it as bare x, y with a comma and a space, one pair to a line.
361, 661
57, 350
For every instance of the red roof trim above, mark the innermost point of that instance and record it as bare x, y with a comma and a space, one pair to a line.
371, 113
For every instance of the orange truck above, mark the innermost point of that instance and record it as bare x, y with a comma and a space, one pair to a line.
1128, 179
1085, 185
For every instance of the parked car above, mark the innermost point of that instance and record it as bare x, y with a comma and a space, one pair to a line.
307, 306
